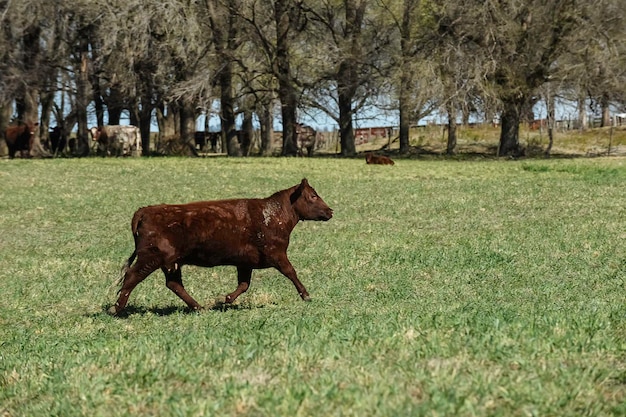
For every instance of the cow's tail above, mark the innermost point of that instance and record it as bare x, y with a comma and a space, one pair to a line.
134, 226
120, 280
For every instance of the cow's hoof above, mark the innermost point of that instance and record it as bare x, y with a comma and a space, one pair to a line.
220, 301
306, 298
112, 311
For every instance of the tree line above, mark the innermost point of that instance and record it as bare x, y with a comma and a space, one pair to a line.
169, 61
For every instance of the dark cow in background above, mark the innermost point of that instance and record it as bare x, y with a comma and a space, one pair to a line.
58, 140
247, 233
203, 138
117, 140
20, 137
371, 158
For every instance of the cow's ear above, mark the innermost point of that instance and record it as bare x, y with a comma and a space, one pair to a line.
298, 191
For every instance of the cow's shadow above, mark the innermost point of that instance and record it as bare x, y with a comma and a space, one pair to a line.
176, 309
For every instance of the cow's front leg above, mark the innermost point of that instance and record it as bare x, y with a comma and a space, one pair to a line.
174, 281
284, 266
243, 278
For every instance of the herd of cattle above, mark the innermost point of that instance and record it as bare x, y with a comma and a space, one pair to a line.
112, 140
119, 140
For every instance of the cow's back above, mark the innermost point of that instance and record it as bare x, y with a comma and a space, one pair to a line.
206, 233
17, 135
197, 221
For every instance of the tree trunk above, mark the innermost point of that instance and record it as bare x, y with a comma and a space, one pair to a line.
247, 130
347, 76
606, 111
465, 113
47, 104
6, 109
26, 104
83, 94
187, 128
27, 111
224, 33
115, 106
404, 128
509, 133
31, 112
287, 105
167, 120
583, 122
409, 6
228, 110
346, 89
405, 112
145, 122
286, 93
451, 147
267, 129
550, 104
346, 130
98, 101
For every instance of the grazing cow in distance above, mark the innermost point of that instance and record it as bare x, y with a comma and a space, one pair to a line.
58, 140
306, 139
117, 140
371, 158
200, 139
246, 233
203, 138
20, 137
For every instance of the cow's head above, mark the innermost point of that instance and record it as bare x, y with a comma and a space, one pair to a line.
308, 205
95, 133
32, 128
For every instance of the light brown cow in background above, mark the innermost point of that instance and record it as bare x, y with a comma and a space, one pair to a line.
117, 140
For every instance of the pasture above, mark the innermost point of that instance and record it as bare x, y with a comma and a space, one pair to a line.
440, 287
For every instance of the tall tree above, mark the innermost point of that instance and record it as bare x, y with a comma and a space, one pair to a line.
348, 78
522, 42
347, 73
407, 54
23, 36
286, 15
410, 64
596, 66
223, 23
275, 28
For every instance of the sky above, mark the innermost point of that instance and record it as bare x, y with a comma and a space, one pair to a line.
370, 117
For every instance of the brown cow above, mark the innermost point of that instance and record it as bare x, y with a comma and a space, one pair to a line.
370, 158
246, 233
20, 138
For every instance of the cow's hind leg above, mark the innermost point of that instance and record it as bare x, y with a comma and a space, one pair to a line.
174, 281
243, 278
133, 276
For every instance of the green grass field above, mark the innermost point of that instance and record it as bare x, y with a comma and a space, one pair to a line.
444, 287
